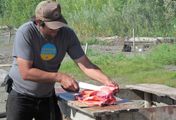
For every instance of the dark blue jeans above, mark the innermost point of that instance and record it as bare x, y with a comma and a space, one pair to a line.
23, 107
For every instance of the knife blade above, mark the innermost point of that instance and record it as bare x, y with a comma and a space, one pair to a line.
84, 85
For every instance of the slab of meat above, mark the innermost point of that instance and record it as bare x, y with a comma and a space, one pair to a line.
103, 96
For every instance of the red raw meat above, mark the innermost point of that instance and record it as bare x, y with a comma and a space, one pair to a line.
104, 96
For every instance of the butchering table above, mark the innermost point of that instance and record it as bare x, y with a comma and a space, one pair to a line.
135, 102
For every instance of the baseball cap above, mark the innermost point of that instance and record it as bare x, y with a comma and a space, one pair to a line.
50, 13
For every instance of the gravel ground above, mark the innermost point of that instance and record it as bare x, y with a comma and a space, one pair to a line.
3, 98
3, 94
5, 58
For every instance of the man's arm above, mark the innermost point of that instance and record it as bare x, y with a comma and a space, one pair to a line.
37, 75
93, 71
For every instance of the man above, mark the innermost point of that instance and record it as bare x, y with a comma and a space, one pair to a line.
39, 49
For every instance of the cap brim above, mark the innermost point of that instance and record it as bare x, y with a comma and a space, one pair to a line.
55, 25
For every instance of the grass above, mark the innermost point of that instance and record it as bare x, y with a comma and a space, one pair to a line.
131, 70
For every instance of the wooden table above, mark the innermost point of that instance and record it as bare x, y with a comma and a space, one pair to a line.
138, 102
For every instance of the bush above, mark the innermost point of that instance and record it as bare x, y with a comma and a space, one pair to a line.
92, 18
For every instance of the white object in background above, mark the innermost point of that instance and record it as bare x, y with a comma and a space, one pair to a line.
140, 50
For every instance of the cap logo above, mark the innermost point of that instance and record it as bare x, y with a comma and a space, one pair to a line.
55, 14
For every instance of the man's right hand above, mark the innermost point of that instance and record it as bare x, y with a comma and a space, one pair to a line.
68, 83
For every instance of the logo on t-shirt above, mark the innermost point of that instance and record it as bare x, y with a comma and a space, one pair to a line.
48, 51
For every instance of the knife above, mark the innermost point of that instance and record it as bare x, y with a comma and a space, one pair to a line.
84, 85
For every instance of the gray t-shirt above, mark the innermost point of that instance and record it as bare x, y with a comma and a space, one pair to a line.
46, 55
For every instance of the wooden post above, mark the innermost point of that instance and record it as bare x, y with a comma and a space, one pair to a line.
86, 47
147, 98
133, 41
10, 35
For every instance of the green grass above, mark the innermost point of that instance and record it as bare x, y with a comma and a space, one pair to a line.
164, 54
130, 70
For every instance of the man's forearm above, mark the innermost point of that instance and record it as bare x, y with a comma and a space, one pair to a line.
38, 75
91, 70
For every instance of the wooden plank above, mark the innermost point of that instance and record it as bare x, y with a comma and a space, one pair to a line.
157, 89
5, 65
71, 113
156, 113
106, 110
